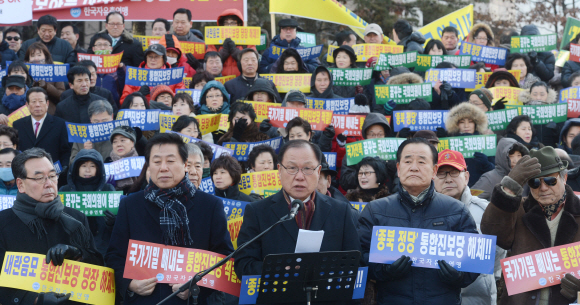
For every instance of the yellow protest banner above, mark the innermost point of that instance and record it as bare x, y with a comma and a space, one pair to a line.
482, 78
461, 19
287, 82
146, 41
224, 123
511, 95
195, 48
187, 81
259, 182
18, 114
166, 122
87, 284
261, 109
224, 79
476, 192
563, 57
209, 122
234, 226
367, 50
105, 63
241, 35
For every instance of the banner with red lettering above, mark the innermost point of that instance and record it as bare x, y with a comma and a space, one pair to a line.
134, 10
105, 63
573, 108
178, 265
349, 125
574, 52
318, 119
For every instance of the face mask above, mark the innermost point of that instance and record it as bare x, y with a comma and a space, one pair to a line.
205, 173
171, 60
38, 61
103, 52
6, 174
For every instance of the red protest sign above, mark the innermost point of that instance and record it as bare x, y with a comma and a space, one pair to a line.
574, 52
105, 63
349, 125
178, 265
573, 108
318, 119
540, 269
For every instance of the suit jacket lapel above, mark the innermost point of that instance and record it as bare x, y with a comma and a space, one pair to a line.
280, 209
28, 132
320, 213
44, 128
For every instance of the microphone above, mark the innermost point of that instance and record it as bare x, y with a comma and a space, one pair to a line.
297, 205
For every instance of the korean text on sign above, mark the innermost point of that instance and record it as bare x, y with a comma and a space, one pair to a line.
499, 119
261, 109
426, 62
260, 181
99, 132
330, 158
537, 43
233, 208
403, 94
384, 148
207, 186
351, 76
144, 119
469, 145
92, 203
242, 150
6, 202
457, 78
388, 61
125, 168
489, 55
420, 119
569, 93
318, 119
153, 77
105, 63
348, 124
47, 72
18, 114
337, 106
543, 114
241, 35
306, 53
287, 82
216, 149
195, 94
466, 252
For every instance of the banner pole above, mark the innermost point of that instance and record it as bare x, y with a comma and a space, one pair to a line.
272, 25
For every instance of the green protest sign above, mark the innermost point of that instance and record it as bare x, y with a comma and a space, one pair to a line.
499, 119
469, 145
426, 62
263, 43
351, 76
543, 114
572, 29
388, 61
268, 193
306, 39
92, 203
538, 43
384, 148
402, 94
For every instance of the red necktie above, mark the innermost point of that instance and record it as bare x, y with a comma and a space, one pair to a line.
36, 129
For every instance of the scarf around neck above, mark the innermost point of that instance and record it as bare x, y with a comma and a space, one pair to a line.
304, 216
552, 210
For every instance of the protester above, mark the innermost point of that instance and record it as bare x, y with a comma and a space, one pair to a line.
207, 157
434, 47
482, 34
123, 139
17, 67
450, 39
404, 36
136, 101
248, 65
195, 161
7, 182
543, 62
325, 187
481, 98
522, 130
501, 78
99, 111
444, 96
114, 82
242, 127
161, 97
100, 91
198, 221
182, 104
70, 33
417, 198
13, 36
538, 94
160, 27
6, 53
546, 218
39, 223
14, 95
175, 56
345, 58
60, 50
262, 91
8, 137
214, 99
570, 68
213, 63
518, 61
262, 158
373, 34
372, 174
299, 129
187, 125
200, 79
289, 62
226, 174
37, 53
43, 130
397, 79
182, 25
342, 38
321, 85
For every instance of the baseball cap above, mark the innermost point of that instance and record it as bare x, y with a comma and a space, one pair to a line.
452, 158
288, 22
157, 49
373, 28
15, 80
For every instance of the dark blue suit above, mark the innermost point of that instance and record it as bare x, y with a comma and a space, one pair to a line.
52, 137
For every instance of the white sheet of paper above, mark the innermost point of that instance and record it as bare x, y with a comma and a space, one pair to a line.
309, 241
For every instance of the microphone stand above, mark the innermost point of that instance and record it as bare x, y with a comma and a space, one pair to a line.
192, 284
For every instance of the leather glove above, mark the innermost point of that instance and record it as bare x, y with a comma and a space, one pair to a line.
389, 106
239, 128
145, 90
526, 168
446, 94
110, 220
570, 287
450, 275
265, 126
341, 140
192, 61
60, 252
229, 44
52, 298
404, 133
499, 104
398, 269
533, 57
441, 132
329, 132
41, 83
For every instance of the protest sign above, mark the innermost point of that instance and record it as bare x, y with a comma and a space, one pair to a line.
509, 94
194, 93
92, 203
2, 74
403, 94
260, 181
125, 168
426, 62
216, 149
305, 53
207, 186
57, 167
543, 114
461, 19
489, 55
499, 119
209, 122
268, 193
261, 109
287, 82
105, 63
18, 114
6, 202
234, 226
469, 145
360, 206
348, 124
16, 13
457, 78
146, 41
263, 43
233, 208
365, 51
420, 119
562, 58
242, 150
388, 61
224, 79
466, 252
98, 132
351, 76
166, 121
481, 78
240, 35
535, 43
318, 119
337, 106
224, 124
306, 39
144, 119
573, 108
569, 93
384, 148
186, 81
153, 77
540, 269
47, 72
572, 29
330, 158
87, 284
171, 264
197, 49
574, 52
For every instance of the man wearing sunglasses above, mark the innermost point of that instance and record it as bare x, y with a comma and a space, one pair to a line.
6, 54
547, 218
13, 36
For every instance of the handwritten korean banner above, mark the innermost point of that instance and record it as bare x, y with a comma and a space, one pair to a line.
261, 109
426, 62
242, 150
469, 145
543, 114
499, 119
88, 284
166, 121
241, 35
569, 93
224, 79
207, 186
216, 149
197, 49
306, 53
348, 124
388, 61
420, 119
125, 168
457, 78
153, 77
171, 264
573, 108
489, 55
365, 51
6, 202
351, 76
466, 252
195, 94
143, 119
18, 114
330, 158
384, 148
537, 43
287, 82
510, 94
146, 41
337, 106
260, 181
99, 132
92, 203
360, 206
105, 63
47, 72
574, 52
482, 77
403, 94
318, 119
306, 39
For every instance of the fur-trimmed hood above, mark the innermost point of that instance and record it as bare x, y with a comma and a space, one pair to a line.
405, 78
466, 110
529, 80
487, 30
358, 193
526, 98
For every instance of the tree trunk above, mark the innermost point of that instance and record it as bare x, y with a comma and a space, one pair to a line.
139, 27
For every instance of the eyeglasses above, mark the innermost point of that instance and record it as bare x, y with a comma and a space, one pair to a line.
292, 170
10, 38
536, 182
365, 174
42, 180
115, 24
102, 45
482, 38
231, 23
375, 135
454, 173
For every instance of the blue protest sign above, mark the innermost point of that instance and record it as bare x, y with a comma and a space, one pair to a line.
467, 252
80, 133
305, 53
143, 119
360, 206
195, 94
125, 168
2, 74
489, 55
242, 150
207, 186
47, 72
572, 93
216, 149
338, 105
57, 167
6, 202
251, 286
457, 78
419, 119
233, 208
153, 77
330, 160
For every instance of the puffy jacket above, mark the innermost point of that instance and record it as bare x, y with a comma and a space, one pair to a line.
569, 68
329, 92
574, 179
214, 84
267, 62
569, 123
422, 285
413, 42
239, 87
60, 50
13, 190
128, 89
233, 193
6, 54
132, 49
544, 67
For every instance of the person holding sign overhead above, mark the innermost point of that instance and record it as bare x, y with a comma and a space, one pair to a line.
404, 36
38, 53
243, 127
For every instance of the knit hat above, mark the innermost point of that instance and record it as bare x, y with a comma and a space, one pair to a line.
549, 161
503, 74
161, 89
349, 51
125, 131
484, 95
295, 96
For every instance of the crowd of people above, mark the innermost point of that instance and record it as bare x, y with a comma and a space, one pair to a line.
526, 191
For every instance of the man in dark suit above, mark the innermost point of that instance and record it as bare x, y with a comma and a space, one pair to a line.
43, 130
299, 170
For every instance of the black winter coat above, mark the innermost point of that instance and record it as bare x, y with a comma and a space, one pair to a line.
569, 68
74, 109
100, 91
6, 54
60, 50
233, 193
133, 54
239, 87
544, 68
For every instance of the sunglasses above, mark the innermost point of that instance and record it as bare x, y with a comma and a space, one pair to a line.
536, 182
10, 38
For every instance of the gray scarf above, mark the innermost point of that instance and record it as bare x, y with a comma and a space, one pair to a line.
33, 213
